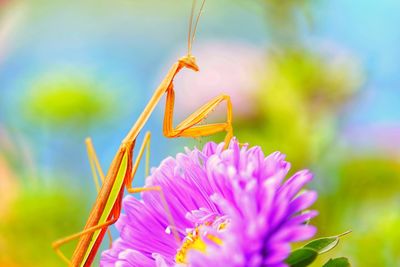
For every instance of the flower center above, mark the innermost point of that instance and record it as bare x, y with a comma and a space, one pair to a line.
192, 241
195, 240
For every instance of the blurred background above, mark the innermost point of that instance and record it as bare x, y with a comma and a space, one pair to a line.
316, 79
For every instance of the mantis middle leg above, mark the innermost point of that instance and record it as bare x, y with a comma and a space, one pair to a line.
146, 146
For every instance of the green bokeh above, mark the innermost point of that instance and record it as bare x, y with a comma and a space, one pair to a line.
68, 100
39, 216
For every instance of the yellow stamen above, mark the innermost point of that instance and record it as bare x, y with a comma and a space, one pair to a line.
196, 240
191, 241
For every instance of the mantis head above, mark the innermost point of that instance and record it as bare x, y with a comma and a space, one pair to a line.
189, 62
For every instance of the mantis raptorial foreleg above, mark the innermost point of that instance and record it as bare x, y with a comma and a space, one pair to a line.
96, 169
188, 128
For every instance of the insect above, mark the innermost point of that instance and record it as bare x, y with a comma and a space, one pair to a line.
107, 207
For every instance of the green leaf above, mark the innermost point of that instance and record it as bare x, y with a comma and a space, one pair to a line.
325, 244
338, 262
301, 257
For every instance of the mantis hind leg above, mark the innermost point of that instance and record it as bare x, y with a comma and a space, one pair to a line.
57, 244
189, 128
94, 163
96, 172
113, 219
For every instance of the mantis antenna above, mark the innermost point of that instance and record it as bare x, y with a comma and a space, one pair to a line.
190, 27
191, 35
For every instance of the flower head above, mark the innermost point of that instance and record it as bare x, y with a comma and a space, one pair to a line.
225, 207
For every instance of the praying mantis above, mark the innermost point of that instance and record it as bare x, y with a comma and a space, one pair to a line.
107, 207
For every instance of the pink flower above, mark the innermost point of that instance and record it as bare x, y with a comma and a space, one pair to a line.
231, 207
